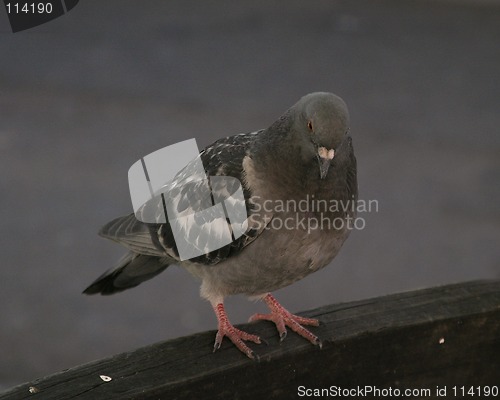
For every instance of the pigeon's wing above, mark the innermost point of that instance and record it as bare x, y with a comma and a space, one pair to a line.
134, 234
349, 185
192, 199
131, 270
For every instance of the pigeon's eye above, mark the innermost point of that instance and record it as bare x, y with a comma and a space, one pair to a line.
310, 125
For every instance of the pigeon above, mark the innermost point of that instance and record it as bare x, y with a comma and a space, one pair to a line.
299, 183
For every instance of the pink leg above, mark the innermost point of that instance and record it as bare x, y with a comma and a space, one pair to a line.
283, 318
235, 335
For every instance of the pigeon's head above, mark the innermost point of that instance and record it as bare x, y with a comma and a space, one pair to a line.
321, 125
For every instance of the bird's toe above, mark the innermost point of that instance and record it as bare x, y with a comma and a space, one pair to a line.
238, 337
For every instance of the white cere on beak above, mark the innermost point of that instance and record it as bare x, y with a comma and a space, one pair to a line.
323, 152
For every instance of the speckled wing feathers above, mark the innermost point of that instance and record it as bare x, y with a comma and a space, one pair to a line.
223, 158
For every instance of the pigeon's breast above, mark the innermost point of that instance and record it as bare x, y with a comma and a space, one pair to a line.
290, 248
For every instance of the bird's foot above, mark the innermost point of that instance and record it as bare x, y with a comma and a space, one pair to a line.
236, 335
282, 318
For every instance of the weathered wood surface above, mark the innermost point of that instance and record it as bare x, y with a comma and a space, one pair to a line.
441, 336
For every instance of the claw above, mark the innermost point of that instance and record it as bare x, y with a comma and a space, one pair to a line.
283, 319
255, 357
236, 336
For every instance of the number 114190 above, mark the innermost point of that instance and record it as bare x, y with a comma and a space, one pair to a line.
29, 8
472, 391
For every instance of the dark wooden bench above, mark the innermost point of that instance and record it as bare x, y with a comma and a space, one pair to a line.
443, 337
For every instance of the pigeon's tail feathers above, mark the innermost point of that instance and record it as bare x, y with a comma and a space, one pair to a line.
132, 270
136, 235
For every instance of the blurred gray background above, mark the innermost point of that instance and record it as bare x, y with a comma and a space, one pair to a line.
85, 96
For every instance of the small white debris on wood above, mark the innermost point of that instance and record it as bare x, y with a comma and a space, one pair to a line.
33, 389
105, 378
441, 341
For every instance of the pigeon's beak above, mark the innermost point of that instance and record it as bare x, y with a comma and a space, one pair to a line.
325, 157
